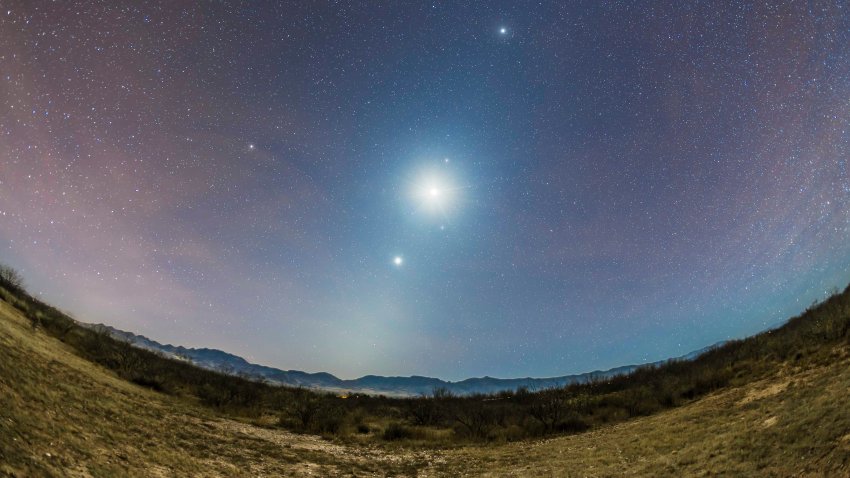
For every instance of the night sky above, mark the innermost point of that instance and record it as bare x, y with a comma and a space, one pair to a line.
443, 189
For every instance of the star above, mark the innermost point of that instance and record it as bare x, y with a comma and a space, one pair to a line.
398, 261
251, 146
503, 31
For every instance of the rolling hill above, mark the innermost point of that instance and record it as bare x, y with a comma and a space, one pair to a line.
784, 414
413, 386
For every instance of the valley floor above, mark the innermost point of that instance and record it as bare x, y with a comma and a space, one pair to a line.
63, 416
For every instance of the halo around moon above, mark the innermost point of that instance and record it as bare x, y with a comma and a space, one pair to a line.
434, 192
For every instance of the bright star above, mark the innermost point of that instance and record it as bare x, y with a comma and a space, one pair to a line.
251, 147
397, 260
503, 30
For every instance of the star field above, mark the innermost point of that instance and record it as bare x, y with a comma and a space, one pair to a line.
431, 188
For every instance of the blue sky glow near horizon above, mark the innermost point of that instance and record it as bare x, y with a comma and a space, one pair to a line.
448, 189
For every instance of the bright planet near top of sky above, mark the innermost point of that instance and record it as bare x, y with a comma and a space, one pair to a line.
428, 188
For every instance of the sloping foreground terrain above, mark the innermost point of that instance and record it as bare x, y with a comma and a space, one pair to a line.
63, 416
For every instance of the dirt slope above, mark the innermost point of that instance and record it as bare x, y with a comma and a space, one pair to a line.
794, 424
63, 416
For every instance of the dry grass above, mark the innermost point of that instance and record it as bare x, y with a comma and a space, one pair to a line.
793, 424
63, 416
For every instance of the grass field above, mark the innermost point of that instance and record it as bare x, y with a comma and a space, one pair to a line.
61, 415
797, 423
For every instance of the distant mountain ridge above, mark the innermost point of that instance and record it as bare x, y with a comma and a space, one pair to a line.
220, 361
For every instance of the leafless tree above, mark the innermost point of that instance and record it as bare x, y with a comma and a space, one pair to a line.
11, 278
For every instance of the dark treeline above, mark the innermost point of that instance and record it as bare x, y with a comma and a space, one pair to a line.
442, 417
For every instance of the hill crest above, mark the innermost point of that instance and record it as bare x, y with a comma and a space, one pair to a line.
399, 386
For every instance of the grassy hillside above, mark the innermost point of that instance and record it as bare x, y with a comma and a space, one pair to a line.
796, 422
77, 403
61, 415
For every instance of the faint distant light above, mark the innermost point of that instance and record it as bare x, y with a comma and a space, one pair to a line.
503, 30
251, 147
